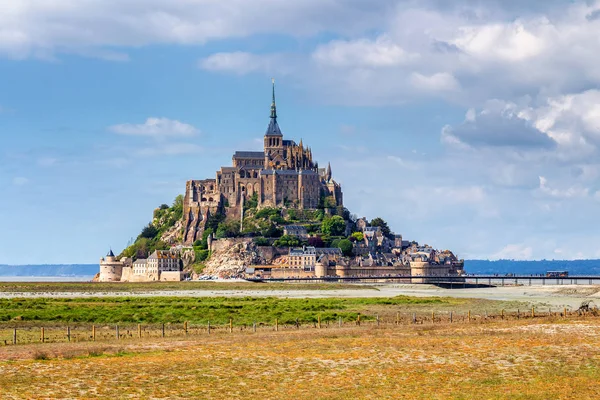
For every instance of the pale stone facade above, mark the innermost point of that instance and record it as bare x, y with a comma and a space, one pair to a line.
304, 258
162, 265
111, 269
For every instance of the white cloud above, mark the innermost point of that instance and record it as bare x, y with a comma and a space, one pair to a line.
157, 128
514, 252
20, 181
381, 52
498, 124
242, 63
441, 81
570, 192
94, 28
505, 42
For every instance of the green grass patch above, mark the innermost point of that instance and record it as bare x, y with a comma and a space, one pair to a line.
218, 310
112, 287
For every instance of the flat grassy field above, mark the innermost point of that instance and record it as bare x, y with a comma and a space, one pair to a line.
545, 358
219, 310
104, 287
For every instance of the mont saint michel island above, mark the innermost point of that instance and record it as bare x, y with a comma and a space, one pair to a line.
275, 213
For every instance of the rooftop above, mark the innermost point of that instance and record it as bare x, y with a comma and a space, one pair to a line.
249, 154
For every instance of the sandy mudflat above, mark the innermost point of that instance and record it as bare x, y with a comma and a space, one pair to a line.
555, 296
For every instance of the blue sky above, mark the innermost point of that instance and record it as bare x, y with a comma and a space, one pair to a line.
470, 125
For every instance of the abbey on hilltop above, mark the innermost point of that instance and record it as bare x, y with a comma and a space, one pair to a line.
284, 174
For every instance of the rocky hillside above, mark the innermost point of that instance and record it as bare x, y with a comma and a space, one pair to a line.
161, 233
230, 257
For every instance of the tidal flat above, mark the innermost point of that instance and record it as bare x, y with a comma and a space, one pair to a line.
518, 359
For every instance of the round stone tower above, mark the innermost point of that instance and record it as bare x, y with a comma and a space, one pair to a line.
110, 268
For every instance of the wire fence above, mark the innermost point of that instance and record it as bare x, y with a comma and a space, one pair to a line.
28, 334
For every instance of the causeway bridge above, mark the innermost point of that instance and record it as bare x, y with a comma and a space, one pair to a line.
450, 281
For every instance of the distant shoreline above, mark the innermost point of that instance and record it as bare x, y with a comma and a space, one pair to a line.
63, 278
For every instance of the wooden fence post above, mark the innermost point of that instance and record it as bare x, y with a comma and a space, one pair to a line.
319, 320
276, 325
42, 337
230, 325
502, 314
163, 329
209, 327
139, 331
185, 327
397, 318
340, 322
469, 316
450, 316
254, 327
565, 312
93, 333
358, 319
414, 318
15, 336
117, 331
377, 317
518, 314
68, 333
532, 312
432, 317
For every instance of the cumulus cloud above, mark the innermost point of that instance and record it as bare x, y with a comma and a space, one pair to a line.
567, 193
497, 125
44, 28
157, 128
381, 52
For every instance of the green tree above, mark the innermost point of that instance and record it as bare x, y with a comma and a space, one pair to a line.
385, 229
333, 226
149, 231
252, 202
358, 236
214, 220
319, 215
228, 229
261, 241
287, 241
201, 255
178, 207
346, 246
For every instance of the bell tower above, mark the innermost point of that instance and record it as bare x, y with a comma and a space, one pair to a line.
273, 141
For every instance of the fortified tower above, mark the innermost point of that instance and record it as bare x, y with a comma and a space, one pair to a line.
110, 268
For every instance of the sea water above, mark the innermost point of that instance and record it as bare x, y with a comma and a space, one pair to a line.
85, 278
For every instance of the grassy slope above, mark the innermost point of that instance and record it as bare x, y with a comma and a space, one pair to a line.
516, 360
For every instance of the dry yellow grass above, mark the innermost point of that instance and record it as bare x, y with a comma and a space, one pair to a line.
527, 359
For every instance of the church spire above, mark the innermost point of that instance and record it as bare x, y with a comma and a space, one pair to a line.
273, 128
273, 106
328, 173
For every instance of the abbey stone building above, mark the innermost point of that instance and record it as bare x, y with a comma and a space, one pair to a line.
284, 174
